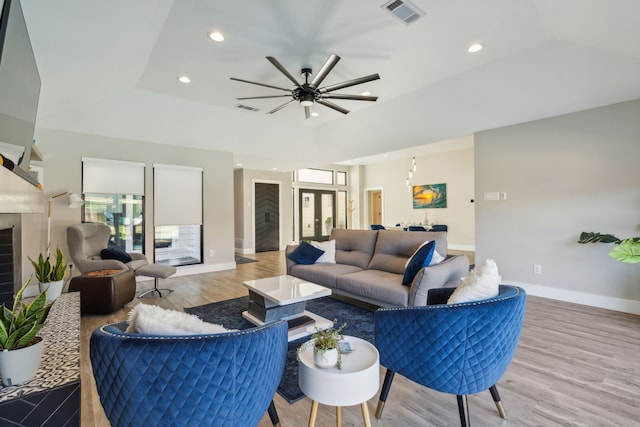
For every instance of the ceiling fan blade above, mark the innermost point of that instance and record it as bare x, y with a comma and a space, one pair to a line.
262, 97
260, 84
351, 97
280, 107
325, 70
349, 83
333, 106
307, 112
283, 70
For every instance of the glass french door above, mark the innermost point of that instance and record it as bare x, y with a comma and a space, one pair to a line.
317, 214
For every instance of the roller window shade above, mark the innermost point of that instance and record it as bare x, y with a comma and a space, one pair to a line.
112, 176
177, 195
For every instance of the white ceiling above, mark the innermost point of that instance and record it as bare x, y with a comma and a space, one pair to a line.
110, 68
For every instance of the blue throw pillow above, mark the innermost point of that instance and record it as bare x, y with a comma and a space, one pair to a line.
306, 254
115, 252
420, 258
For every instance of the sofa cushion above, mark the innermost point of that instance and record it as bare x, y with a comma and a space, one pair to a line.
394, 248
322, 274
420, 258
329, 248
305, 254
375, 285
354, 247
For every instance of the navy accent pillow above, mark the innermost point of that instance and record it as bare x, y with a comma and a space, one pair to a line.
305, 254
420, 258
115, 252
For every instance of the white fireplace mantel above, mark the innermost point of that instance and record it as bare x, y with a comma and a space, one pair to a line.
18, 195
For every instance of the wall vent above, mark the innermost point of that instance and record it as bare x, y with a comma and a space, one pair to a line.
404, 10
246, 107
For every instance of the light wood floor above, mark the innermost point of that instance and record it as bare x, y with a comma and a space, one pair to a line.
575, 366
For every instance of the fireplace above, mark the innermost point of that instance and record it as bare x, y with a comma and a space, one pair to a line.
21, 214
10, 266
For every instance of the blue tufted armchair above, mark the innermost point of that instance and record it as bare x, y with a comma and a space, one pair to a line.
226, 379
460, 349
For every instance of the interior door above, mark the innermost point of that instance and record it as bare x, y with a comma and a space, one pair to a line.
317, 214
267, 217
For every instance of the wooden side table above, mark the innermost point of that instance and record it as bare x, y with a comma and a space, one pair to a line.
356, 383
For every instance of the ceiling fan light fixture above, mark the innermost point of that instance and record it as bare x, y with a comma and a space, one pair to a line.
306, 103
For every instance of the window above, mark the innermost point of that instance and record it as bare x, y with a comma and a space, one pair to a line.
341, 210
113, 192
341, 178
316, 176
177, 201
123, 213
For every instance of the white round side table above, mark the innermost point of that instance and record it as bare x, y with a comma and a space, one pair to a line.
354, 384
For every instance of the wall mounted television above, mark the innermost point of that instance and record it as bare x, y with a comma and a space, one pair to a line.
19, 82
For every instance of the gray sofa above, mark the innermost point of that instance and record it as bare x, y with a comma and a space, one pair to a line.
370, 266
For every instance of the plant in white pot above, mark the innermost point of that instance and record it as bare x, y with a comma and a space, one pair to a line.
20, 345
50, 276
326, 352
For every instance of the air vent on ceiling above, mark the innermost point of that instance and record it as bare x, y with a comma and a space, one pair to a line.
246, 107
404, 10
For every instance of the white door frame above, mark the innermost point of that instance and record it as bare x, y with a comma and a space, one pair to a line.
367, 199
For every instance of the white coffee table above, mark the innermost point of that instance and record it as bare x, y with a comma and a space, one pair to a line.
354, 384
285, 297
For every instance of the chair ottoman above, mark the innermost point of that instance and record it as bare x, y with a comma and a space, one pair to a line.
104, 291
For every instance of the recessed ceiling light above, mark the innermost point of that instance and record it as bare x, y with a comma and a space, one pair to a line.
366, 93
314, 114
475, 47
275, 169
184, 79
238, 164
216, 36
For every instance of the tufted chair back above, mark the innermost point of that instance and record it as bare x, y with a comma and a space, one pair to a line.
460, 349
226, 379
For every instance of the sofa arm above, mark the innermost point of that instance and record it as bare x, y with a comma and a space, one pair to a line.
290, 263
447, 273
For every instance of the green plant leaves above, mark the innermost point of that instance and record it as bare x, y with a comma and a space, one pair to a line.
19, 326
627, 251
45, 272
598, 238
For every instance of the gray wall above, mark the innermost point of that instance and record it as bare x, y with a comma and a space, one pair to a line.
563, 175
455, 168
63, 152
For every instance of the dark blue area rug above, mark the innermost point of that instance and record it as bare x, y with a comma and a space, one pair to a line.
359, 322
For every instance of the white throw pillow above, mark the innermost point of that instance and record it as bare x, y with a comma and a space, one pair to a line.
329, 248
154, 320
482, 283
436, 258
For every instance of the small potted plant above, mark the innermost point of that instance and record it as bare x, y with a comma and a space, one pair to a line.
328, 223
326, 352
20, 345
50, 277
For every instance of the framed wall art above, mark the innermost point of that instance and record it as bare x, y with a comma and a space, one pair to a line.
430, 196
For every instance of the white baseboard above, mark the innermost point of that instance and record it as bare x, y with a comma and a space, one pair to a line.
455, 247
594, 300
245, 251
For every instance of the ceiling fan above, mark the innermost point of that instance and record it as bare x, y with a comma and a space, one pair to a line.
309, 92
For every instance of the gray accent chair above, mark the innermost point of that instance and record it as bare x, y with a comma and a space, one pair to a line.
86, 240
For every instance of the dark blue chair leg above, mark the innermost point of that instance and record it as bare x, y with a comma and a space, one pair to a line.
386, 385
273, 414
463, 409
496, 398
